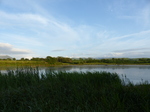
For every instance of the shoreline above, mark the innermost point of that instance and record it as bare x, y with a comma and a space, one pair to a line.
5, 67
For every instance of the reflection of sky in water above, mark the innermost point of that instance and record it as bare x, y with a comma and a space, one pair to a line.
135, 73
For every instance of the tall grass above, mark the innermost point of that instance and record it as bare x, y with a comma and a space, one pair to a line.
26, 90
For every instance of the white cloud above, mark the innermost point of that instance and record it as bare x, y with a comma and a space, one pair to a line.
22, 19
134, 35
130, 45
20, 39
141, 15
6, 48
44, 33
33, 17
58, 50
132, 53
144, 16
131, 50
31, 31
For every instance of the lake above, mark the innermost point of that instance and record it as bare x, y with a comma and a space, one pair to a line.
135, 73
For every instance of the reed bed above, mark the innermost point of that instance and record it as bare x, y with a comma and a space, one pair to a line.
27, 90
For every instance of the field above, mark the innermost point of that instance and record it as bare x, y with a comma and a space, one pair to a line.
26, 90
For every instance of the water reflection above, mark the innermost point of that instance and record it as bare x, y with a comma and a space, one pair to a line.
135, 73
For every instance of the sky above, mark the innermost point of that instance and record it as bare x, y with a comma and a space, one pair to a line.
75, 28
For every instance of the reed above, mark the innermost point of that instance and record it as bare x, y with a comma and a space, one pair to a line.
28, 90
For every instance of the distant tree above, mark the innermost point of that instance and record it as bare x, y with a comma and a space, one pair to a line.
26, 59
64, 60
35, 59
14, 58
81, 60
22, 59
51, 60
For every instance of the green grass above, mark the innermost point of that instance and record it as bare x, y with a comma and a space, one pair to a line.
4, 64
25, 90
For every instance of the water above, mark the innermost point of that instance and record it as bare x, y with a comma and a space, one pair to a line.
135, 73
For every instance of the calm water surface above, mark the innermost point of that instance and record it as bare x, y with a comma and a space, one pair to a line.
135, 73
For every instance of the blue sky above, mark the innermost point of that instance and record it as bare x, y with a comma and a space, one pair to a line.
75, 28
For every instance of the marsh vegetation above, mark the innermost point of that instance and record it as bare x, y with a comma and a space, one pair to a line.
25, 90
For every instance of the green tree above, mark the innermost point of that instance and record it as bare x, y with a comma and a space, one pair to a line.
64, 60
51, 60
22, 59
14, 58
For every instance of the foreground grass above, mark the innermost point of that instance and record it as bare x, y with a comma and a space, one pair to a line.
25, 90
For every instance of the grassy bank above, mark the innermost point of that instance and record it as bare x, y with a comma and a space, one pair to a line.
24, 90
4, 64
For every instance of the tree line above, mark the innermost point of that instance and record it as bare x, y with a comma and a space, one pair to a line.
55, 60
